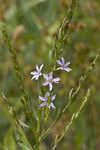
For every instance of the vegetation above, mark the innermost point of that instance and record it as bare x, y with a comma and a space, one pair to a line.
49, 75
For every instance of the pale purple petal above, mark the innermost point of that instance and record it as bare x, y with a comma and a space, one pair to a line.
50, 76
41, 67
35, 77
66, 64
63, 61
52, 105
45, 76
45, 83
56, 80
67, 69
62, 68
47, 94
43, 98
43, 104
50, 86
53, 97
37, 68
59, 62
33, 73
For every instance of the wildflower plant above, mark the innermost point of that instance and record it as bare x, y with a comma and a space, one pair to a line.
36, 118
49, 81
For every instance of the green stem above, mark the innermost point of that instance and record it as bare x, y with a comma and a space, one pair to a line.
74, 117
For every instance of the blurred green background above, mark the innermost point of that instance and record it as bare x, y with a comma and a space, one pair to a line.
32, 25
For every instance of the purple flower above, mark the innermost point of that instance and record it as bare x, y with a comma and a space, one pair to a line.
45, 101
50, 80
37, 73
63, 65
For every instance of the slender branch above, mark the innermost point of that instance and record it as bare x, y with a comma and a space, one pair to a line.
74, 117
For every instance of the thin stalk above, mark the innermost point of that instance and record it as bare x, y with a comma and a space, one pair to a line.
74, 117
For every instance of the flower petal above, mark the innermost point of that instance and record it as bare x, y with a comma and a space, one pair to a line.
43, 104
59, 62
33, 73
66, 64
41, 67
53, 97
62, 68
51, 105
50, 86
45, 76
63, 61
43, 98
67, 69
47, 94
32, 77
56, 80
35, 77
37, 68
50, 76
